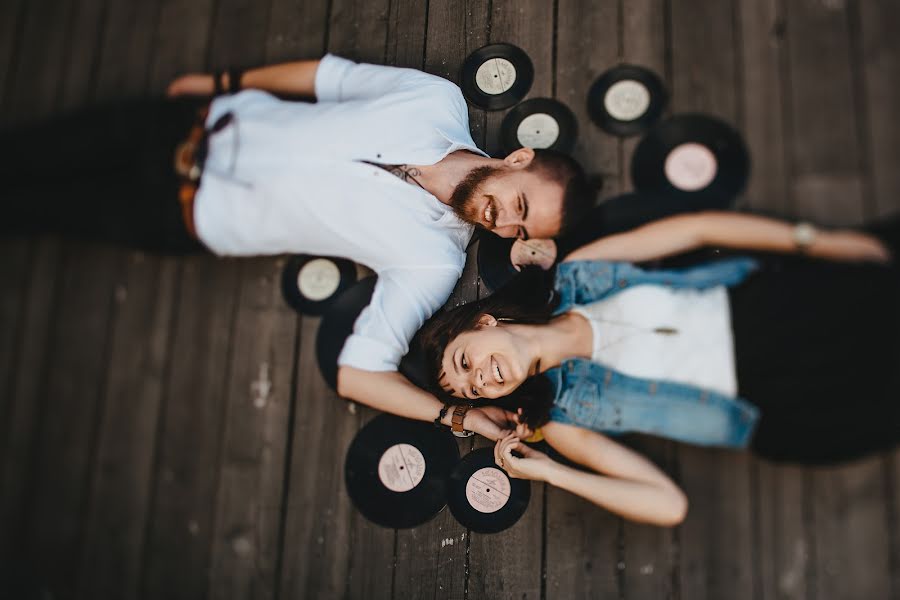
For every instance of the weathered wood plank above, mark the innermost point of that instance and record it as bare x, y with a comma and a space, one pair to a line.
454, 29
877, 23
643, 42
827, 184
716, 540
248, 502
763, 102
588, 44
582, 540
529, 25
245, 537
784, 553
649, 555
318, 513
852, 545
186, 470
53, 467
432, 559
120, 491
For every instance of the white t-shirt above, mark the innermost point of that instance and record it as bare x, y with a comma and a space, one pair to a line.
656, 332
288, 177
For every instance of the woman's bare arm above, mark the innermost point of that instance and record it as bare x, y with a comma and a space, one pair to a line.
625, 482
682, 233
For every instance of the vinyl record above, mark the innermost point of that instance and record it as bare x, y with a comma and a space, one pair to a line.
397, 470
539, 123
698, 160
498, 257
626, 100
496, 76
483, 497
310, 283
337, 325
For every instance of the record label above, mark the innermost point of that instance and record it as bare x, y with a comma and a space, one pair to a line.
401, 467
488, 490
318, 279
627, 100
541, 253
691, 167
538, 130
495, 76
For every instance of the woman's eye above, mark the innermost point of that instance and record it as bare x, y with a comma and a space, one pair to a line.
464, 363
475, 392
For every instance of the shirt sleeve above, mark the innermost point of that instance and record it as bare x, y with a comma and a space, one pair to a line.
341, 80
403, 299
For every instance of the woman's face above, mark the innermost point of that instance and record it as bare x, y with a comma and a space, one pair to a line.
487, 362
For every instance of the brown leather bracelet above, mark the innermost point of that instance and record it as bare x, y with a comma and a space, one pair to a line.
459, 415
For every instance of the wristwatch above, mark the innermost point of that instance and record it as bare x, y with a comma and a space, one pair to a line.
459, 415
804, 236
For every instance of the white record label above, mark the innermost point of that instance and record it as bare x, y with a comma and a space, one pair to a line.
488, 490
691, 167
538, 130
627, 100
318, 279
401, 467
495, 76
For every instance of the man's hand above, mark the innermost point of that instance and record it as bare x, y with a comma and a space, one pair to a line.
533, 464
192, 84
490, 421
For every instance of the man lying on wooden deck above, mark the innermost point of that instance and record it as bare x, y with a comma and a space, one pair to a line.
381, 169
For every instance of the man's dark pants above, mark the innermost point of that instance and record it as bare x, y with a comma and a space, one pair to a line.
104, 173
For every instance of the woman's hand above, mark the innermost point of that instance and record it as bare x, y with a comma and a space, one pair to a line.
192, 84
848, 245
492, 422
523, 431
533, 464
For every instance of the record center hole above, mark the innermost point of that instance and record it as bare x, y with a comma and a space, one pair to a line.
401, 468
487, 489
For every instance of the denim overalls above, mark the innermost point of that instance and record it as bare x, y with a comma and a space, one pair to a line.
596, 397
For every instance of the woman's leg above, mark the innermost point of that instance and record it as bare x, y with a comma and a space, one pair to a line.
817, 351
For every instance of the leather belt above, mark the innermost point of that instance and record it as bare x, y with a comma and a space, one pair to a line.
189, 157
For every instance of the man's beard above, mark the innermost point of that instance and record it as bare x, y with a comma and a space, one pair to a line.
463, 198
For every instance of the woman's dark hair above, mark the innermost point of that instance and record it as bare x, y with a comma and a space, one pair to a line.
528, 299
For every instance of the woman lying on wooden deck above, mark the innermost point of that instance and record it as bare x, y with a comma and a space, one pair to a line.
792, 352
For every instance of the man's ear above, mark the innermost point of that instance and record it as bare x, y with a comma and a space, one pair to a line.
487, 320
519, 159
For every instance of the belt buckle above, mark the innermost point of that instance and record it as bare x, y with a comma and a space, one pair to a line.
185, 165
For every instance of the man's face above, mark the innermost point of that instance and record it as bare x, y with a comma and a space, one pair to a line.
510, 201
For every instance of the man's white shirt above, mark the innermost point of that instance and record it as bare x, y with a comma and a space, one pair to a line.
289, 177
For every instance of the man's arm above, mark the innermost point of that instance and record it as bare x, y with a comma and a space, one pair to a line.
296, 78
682, 233
391, 392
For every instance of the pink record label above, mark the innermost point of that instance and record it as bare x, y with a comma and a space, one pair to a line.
401, 467
533, 252
488, 490
691, 167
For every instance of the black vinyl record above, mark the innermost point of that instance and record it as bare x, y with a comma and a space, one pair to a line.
497, 256
482, 497
496, 76
337, 325
397, 470
698, 160
626, 100
310, 283
539, 123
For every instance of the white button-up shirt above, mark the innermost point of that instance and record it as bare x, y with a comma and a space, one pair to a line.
288, 177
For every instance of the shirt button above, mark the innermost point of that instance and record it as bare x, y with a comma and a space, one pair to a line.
378, 156
623, 283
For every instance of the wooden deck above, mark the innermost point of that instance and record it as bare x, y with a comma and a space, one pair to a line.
164, 432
